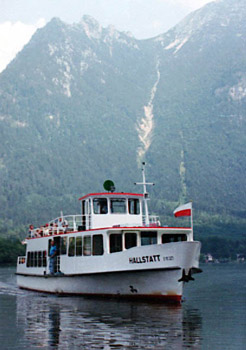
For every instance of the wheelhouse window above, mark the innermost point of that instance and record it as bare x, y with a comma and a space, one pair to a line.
169, 238
87, 246
133, 206
130, 240
148, 237
100, 206
118, 205
71, 247
97, 245
115, 242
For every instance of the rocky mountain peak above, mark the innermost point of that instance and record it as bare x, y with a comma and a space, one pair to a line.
205, 23
91, 27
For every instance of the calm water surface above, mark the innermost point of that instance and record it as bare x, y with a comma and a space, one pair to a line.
213, 316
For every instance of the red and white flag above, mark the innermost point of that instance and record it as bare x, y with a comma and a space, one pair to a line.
183, 210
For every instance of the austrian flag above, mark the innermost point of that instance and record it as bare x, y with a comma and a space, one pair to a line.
183, 210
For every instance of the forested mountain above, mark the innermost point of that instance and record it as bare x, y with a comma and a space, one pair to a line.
81, 104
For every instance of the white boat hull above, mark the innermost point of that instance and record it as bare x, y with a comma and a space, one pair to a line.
153, 271
159, 284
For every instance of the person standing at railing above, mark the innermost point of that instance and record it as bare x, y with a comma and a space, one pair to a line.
65, 225
53, 253
60, 225
30, 233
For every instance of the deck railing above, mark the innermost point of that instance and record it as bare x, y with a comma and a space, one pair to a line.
73, 223
154, 221
58, 225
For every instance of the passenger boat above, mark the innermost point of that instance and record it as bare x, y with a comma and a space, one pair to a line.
114, 248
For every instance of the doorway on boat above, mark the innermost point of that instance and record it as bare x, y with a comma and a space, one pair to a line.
86, 215
61, 249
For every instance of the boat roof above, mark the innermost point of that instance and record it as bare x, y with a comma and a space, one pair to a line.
112, 194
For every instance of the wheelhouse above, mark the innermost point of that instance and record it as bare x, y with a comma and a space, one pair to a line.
111, 209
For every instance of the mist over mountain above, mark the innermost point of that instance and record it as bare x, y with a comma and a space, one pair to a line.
81, 104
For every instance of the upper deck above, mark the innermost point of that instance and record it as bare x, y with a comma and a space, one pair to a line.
101, 210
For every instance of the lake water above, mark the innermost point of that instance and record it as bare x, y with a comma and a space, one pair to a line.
212, 316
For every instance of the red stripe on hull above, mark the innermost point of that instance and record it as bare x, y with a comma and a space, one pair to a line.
142, 297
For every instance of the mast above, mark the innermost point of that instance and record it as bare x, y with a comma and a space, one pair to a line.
145, 193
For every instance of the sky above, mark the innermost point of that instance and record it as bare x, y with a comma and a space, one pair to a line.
19, 19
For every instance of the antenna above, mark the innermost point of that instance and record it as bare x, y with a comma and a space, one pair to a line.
145, 193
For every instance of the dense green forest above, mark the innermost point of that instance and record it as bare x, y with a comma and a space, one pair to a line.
10, 249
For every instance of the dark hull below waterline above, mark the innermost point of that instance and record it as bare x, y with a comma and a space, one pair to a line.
176, 299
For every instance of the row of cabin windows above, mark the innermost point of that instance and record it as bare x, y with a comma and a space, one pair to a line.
116, 206
93, 245
86, 245
147, 238
36, 259
116, 240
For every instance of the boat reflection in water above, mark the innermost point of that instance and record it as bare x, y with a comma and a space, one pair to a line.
71, 323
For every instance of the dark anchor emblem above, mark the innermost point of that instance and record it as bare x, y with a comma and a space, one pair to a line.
133, 290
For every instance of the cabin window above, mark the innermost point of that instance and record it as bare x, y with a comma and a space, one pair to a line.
87, 246
130, 240
63, 245
78, 246
40, 259
169, 238
115, 242
49, 245
97, 245
100, 205
28, 259
31, 260
148, 237
118, 206
71, 247
133, 206
44, 259
35, 259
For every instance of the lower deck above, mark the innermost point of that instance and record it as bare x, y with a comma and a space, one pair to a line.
98, 247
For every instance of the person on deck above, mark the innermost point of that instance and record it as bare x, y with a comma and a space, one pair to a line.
53, 252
